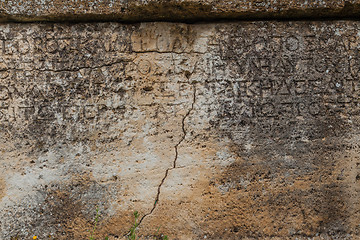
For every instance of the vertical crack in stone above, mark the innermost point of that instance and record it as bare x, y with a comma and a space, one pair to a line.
176, 155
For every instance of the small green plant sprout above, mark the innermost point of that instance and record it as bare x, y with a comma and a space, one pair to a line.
132, 235
96, 221
158, 236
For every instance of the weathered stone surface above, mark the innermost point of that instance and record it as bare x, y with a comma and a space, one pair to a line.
219, 131
173, 10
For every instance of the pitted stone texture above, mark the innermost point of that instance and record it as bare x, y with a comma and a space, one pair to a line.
220, 131
173, 10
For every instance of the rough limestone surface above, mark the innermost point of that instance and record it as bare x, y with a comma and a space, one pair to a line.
241, 130
173, 10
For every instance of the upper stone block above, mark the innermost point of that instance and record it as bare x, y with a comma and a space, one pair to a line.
173, 10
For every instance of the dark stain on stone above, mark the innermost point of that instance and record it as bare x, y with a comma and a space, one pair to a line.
66, 211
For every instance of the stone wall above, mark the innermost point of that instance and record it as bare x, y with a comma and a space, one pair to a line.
233, 130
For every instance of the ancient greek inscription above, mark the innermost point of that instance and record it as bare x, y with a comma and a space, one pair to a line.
264, 75
94, 75
61, 81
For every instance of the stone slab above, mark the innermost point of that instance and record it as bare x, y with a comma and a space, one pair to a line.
220, 131
173, 10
